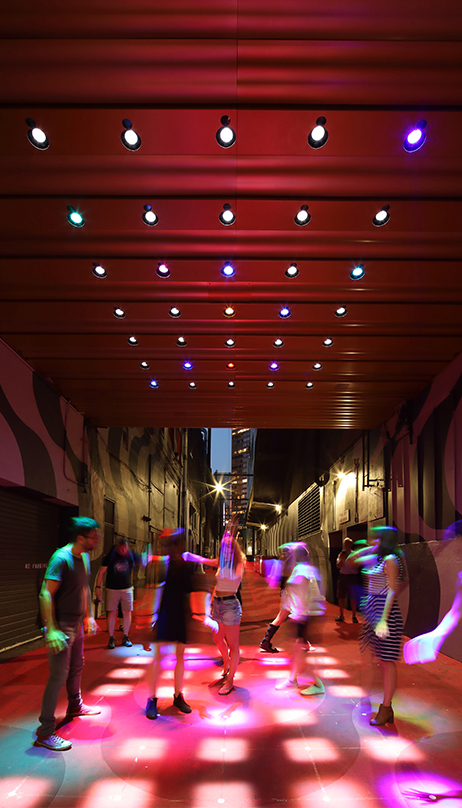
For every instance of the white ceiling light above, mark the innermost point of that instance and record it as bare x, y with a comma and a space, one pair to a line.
129, 137
319, 135
36, 136
226, 136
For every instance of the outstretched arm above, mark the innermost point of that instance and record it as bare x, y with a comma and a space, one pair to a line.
198, 559
425, 647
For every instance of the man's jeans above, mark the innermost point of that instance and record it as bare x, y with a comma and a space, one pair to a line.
65, 667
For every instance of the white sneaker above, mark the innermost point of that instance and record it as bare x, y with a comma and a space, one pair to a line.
53, 742
287, 684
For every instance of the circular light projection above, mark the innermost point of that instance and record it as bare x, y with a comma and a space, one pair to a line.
319, 135
36, 136
226, 136
278, 343
229, 311
130, 139
317, 366
270, 384
231, 384
74, 217
153, 383
230, 343
99, 271
302, 217
132, 341
192, 385
230, 366
328, 342
274, 366
309, 385
381, 217
292, 271
119, 313
284, 313
149, 217
175, 312
163, 271
144, 365
416, 137
341, 311
187, 365
181, 341
357, 272
228, 270
227, 216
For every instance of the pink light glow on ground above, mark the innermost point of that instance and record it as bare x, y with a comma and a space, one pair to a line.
125, 673
309, 749
333, 673
213, 794
390, 747
344, 793
143, 749
229, 749
293, 715
346, 691
28, 792
112, 792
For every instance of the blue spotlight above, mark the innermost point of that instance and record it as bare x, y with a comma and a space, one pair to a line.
416, 137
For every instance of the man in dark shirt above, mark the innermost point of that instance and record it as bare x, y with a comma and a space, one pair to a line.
66, 610
119, 564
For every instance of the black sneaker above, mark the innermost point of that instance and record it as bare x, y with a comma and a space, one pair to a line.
180, 703
126, 641
340, 619
111, 643
151, 709
354, 619
267, 645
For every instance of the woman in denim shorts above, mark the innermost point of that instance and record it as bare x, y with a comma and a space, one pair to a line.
226, 608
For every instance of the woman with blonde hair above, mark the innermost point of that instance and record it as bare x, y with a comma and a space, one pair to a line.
226, 606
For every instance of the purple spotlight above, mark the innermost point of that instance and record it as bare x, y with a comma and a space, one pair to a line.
416, 137
187, 365
284, 313
274, 366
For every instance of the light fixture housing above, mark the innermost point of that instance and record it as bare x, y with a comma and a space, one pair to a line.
274, 366
175, 312
228, 270
192, 385
284, 313
416, 137
187, 365
328, 342
291, 271
230, 366
119, 313
153, 383
144, 366
381, 217
227, 216
229, 311
230, 343
278, 343
317, 366
302, 217
341, 311
319, 135
132, 341
357, 272
270, 384
74, 217
309, 385
226, 136
36, 136
162, 270
181, 341
99, 271
231, 384
130, 139
149, 217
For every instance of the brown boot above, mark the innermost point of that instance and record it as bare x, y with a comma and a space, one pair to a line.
385, 715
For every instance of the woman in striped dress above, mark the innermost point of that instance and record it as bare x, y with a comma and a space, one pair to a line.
383, 627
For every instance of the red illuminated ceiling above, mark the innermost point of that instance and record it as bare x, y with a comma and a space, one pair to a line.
373, 70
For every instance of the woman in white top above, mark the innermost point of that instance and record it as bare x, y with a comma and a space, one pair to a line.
226, 607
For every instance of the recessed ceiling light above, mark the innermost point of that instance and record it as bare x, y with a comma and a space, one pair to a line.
416, 137
357, 272
302, 217
149, 217
231, 384
230, 365
226, 136
175, 312
74, 217
274, 366
284, 313
227, 216
309, 385
163, 271
319, 135
99, 271
270, 384
129, 137
341, 311
230, 343
278, 343
144, 365
119, 313
229, 311
228, 270
317, 366
181, 341
192, 385
382, 216
328, 342
292, 271
132, 341
36, 136
154, 383
187, 365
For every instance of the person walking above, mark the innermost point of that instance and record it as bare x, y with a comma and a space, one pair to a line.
118, 565
66, 612
347, 582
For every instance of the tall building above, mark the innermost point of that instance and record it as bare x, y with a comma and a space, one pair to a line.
242, 447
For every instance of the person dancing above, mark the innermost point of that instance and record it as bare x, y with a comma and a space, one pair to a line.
226, 607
